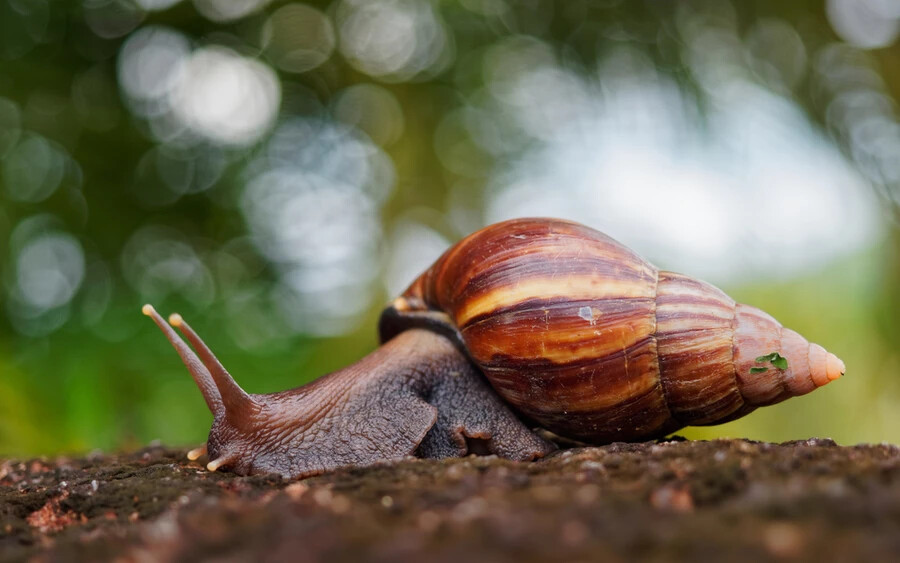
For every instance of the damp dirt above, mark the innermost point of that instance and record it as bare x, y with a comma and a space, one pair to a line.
668, 500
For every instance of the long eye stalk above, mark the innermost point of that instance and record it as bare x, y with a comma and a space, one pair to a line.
201, 375
237, 402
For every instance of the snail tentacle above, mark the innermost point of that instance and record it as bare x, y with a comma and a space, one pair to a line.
223, 461
198, 371
237, 403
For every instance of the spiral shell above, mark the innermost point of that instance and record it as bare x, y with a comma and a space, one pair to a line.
587, 339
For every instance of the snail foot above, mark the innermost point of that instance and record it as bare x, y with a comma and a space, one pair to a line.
472, 419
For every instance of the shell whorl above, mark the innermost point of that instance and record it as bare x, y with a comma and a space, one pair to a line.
585, 337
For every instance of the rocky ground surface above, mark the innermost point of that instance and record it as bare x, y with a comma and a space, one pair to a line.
728, 499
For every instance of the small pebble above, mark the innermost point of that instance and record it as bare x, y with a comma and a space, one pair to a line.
672, 498
322, 497
591, 464
428, 521
326, 498
469, 509
456, 471
613, 461
783, 540
501, 472
340, 504
587, 494
296, 490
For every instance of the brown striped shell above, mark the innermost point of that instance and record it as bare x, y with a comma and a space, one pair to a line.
592, 342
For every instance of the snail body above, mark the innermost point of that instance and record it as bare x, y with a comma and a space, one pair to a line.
530, 321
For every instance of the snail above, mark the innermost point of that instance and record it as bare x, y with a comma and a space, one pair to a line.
525, 323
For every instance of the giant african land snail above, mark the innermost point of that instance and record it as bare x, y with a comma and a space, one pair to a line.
572, 332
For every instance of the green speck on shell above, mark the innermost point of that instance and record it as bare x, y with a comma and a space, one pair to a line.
775, 359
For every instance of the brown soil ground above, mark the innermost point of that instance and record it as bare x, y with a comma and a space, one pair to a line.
728, 499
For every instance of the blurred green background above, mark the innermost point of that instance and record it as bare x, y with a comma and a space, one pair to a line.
275, 171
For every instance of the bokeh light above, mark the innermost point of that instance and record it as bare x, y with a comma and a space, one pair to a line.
413, 248
313, 210
228, 10
33, 169
149, 67
158, 261
154, 5
869, 24
777, 54
165, 173
298, 38
48, 266
371, 109
109, 19
394, 40
211, 92
225, 97
764, 191
49, 270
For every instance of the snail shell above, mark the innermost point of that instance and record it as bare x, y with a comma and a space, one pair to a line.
592, 342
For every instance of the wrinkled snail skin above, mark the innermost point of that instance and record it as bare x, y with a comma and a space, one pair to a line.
584, 337
416, 395
537, 322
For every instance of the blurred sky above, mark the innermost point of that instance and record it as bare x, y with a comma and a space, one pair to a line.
278, 170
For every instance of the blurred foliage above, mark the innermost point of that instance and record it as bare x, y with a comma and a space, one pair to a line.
275, 171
